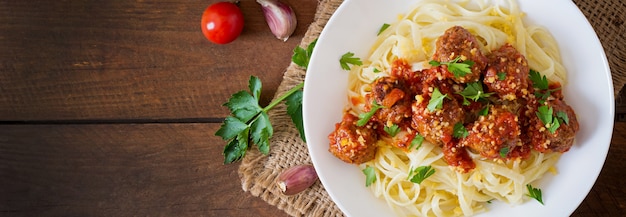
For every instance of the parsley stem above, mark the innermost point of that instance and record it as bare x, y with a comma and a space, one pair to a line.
283, 97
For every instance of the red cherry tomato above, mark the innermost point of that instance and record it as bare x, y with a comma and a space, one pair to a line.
222, 22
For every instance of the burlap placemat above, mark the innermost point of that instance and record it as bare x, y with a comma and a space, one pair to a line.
258, 172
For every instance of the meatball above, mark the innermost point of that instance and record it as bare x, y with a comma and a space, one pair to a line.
562, 139
391, 94
351, 143
494, 135
458, 41
436, 126
507, 73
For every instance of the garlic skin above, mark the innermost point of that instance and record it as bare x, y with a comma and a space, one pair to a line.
280, 18
296, 179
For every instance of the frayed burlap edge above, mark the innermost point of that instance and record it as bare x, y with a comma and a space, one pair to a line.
258, 172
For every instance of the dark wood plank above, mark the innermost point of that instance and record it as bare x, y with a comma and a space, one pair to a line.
120, 170
118, 59
168, 170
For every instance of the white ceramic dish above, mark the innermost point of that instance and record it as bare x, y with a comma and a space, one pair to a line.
353, 28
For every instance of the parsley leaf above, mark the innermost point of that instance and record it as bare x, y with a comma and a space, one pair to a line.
484, 111
459, 131
563, 116
501, 76
436, 100
365, 117
249, 123
348, 58
545, 114
534, 193
539, 82
294, 110
302, 56
474, 91
458, 69
418, 174
376, 70
418, 140
382, 28
370, 175
554, 126
392, 130
504, 151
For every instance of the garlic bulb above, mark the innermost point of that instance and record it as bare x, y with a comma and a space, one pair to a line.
280, 18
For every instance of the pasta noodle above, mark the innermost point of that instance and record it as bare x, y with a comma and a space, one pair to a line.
412, 37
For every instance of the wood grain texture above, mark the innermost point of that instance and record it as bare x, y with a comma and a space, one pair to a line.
66, 60
168, 170
120, 170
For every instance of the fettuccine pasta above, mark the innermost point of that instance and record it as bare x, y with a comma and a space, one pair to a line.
412, 39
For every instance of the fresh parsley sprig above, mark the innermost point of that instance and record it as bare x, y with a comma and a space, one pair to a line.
534, 193
474, 91
456, 66
348, 58
249, 124
419, 174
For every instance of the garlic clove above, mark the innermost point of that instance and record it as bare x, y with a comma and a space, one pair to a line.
296, 179
280, 18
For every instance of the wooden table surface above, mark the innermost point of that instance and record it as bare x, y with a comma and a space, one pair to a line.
109, 108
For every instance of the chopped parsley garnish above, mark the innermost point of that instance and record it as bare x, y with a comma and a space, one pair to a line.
504, 151
542, 85
376, 70
540, 82
484, 111
436, 100
457, 67
501, 76
348, 58
551, 122
382, 28
417, 141
563, 117
370, 175
474, 91
365, 117
459, 131
392, 130
418, 174
534, 193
